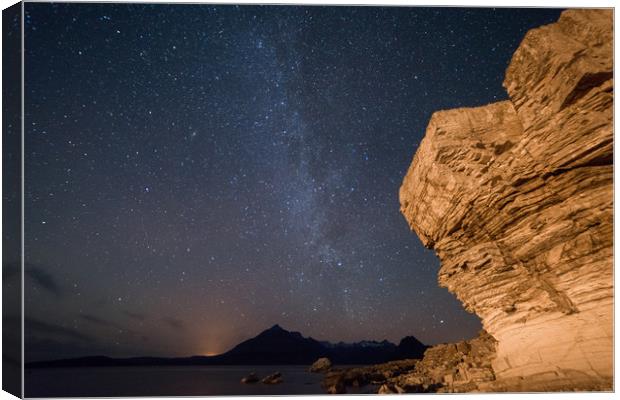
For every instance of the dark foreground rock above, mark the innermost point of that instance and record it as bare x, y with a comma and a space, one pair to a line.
455, 367
337, 380
334, 383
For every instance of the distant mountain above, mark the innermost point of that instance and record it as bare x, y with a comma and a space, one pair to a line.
276, 346
272, 346
410, 347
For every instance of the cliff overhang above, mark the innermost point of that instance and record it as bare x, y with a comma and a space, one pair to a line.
516, 198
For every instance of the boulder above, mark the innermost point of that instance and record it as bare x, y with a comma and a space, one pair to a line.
334, 382
273, 379
386, 389
323, 364
251, 378
337, 388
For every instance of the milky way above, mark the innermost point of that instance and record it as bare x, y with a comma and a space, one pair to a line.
196, 173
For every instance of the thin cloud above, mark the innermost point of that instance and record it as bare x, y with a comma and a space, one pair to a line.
36, 326
174, 322
42, 277
135, 315
95, 320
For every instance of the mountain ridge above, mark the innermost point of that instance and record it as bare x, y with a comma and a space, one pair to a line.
272, 346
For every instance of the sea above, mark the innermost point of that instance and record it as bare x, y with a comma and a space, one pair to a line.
172, 381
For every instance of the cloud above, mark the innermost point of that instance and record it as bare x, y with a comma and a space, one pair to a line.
96, 320
174, 323
43, 278
135, 315
40, 275
43, 349
38, 327
46, 340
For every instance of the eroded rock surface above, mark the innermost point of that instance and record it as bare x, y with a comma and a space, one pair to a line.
454, 368
323, 364
337, 380
516, 199
272, 379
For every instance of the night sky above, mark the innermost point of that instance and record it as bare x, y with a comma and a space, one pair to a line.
197, 173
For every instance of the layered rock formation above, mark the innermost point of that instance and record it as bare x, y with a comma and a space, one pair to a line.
516, 199
454, 368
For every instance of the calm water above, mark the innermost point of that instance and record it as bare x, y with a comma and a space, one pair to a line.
169, 381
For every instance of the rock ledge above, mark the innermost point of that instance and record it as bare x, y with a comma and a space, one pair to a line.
516, 199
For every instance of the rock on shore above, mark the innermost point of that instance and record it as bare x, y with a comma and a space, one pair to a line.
323, 364
273, 379
337, 380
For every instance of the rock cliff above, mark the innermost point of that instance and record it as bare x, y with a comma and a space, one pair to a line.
516, 199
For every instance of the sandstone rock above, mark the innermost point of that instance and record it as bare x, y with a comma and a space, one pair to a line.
323, 364
516, 199
389, 388
334, 382
251, 378
443, 368
370, 375
386, 389
338, 388
273, 379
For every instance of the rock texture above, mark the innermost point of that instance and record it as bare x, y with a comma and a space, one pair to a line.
516, 199
272, 379
336, 381
453, 368
251, 378
323, 364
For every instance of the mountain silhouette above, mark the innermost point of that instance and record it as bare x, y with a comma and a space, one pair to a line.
410, 347
273, 346
276, 346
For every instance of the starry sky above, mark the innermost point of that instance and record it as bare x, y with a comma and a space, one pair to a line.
198, 173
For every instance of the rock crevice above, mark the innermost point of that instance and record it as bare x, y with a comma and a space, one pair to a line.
516, 199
